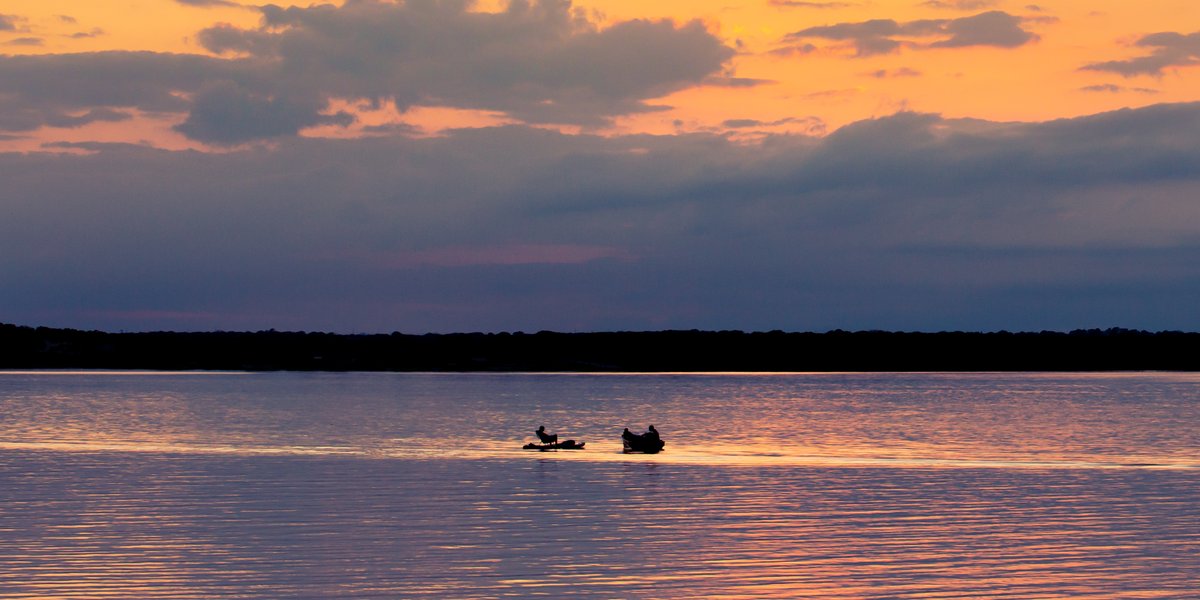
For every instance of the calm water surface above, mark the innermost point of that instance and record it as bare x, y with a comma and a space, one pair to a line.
283, 485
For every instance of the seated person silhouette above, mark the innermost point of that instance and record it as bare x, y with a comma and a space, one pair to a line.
547, 438
649, 442
652, 435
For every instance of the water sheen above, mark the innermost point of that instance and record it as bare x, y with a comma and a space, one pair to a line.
236, 485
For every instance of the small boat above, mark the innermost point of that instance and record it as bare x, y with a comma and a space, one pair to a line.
567, 445
639, 444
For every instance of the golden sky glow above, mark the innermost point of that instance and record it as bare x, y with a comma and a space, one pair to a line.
816, 90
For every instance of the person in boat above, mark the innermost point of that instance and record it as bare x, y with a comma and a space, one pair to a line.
652, 441
651, 435
547, 438
645, 442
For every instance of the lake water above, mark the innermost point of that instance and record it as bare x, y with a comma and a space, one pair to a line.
366, 485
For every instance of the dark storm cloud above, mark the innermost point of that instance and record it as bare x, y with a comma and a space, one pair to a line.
8, 22
909, 221
1167, 49
537, 62
884, 36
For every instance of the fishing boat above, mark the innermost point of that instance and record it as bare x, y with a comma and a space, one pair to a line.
637, 443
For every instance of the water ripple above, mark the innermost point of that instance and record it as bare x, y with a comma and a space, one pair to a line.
293, 486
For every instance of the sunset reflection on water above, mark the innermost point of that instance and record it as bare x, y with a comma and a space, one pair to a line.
788, 486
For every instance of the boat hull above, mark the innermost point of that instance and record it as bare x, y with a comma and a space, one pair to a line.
643, 446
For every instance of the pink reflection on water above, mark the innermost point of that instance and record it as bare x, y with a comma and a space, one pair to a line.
832, 486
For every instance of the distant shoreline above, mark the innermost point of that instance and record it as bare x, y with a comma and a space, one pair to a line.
651, 351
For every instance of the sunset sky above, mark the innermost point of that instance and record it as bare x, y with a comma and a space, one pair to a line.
433, 166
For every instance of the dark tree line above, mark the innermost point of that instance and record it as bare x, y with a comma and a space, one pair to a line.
1081, 350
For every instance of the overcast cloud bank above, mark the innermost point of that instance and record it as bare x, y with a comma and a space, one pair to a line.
907, 222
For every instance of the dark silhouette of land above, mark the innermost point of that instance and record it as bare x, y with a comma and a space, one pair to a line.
1082, 350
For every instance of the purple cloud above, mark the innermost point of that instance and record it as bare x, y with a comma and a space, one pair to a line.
995, 28
224, 112
1116, 89
1167, 49
894, 73
960, 4
95, 32
40, 90
536, 62
205, 3
817, 5
884, 36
